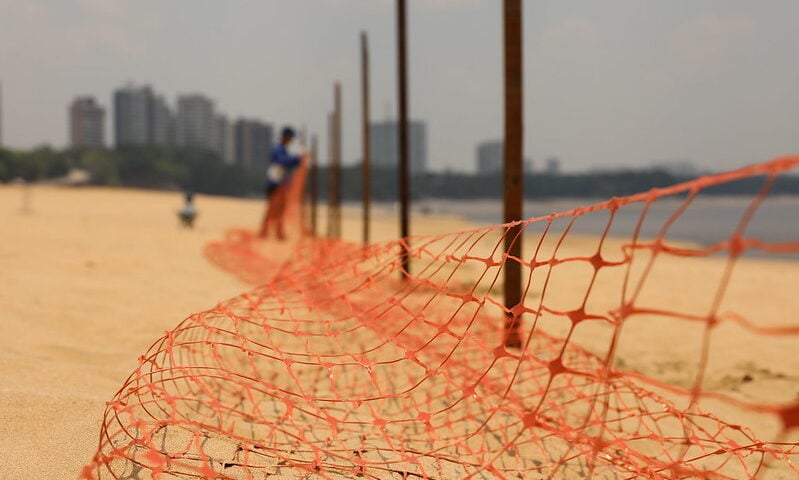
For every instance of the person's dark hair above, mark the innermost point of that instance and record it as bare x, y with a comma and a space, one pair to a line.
287, 133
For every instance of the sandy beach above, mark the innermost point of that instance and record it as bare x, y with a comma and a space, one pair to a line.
90, 277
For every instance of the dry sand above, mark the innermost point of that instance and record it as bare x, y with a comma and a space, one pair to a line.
89, 278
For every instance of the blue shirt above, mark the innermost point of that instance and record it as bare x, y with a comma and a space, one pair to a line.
281, 165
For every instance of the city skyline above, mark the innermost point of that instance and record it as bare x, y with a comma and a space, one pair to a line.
144, 117
616, 84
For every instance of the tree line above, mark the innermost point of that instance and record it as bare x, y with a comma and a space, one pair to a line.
194, 170
204, 172
537, 185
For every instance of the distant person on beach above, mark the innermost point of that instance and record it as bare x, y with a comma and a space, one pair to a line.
278, 176
188, 213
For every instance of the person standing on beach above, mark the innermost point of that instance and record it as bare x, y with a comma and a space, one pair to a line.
278, 177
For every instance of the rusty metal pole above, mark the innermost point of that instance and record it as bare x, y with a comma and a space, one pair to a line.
513, 186
367, 183
313, 182
337, 157
303, 137
404, 167
331, 174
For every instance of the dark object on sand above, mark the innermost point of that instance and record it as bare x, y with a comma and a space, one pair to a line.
188, 213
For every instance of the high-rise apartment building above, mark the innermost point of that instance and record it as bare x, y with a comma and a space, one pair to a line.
132, 114
253, 140
490, 157
385, 144
195, 122
552, 166
86, 123
223, 139
141, 117
162, 123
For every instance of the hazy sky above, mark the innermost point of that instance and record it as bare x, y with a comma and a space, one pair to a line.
608, 82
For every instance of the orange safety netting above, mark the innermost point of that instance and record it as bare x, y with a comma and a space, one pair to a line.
334, 367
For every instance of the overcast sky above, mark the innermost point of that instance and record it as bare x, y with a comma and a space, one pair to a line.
607, 83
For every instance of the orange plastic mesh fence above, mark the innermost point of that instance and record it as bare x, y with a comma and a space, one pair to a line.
644, 356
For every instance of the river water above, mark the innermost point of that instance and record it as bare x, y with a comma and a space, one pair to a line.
706, 221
